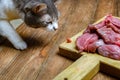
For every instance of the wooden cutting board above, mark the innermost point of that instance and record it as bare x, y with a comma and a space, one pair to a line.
88, 64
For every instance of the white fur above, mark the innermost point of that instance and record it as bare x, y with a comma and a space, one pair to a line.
7, 13
53, 26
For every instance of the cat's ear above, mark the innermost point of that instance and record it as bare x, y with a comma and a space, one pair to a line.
57, 2
39, 7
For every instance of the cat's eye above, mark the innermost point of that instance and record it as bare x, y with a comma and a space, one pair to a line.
49, 22
27, 9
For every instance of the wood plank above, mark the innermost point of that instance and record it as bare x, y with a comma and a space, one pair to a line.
83, 69
40, 59
106, 7
88, 65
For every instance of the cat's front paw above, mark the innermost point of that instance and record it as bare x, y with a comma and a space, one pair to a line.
20, 45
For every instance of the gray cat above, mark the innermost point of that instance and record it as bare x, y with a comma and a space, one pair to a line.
35, 13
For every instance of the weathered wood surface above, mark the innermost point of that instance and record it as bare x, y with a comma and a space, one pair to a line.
41, 61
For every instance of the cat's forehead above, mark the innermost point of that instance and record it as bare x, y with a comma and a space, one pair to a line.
51, 8
34, 2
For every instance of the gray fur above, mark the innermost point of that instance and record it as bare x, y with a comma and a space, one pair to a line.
33, 19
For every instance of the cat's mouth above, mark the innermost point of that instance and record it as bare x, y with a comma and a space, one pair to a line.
52, 27
48, 27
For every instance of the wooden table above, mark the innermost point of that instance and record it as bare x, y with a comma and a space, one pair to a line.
41, 60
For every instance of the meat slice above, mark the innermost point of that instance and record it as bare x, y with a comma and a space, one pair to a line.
84, 40
115, 21
109, 21
92, 28
109, 36
111, 51
93, 46
110, 25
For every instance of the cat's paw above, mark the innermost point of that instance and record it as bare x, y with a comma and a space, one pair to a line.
20, 45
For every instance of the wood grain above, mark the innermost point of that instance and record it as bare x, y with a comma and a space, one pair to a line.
41, 61
82, 69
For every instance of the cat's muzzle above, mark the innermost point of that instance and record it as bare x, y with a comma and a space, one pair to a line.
52, 27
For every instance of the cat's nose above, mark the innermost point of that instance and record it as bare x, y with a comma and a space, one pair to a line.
54, 28
55, 25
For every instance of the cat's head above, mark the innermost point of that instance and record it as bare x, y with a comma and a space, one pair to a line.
41, 14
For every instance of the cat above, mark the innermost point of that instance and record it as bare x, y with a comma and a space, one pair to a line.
35, 13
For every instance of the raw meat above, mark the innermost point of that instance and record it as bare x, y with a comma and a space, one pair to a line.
93, 46
84, 40
113, 27
103, 38
92, 28
109, 36
111, 51
113, 20
109, 21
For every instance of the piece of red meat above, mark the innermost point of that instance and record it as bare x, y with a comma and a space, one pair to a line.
92, 28
84, 40
111, 51
115, 21
109, 21
104, 37
93, 46
110, 25
109, 36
